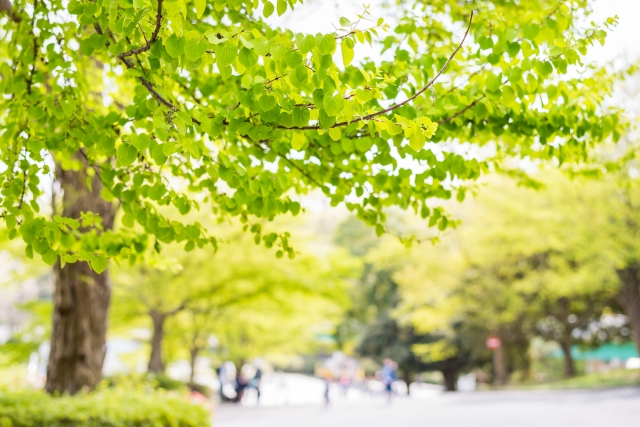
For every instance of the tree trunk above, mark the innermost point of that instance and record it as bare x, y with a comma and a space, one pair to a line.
155, 360
407, 376
569, 368
500, 372
81, 299
450, 375
629, 298
193, 355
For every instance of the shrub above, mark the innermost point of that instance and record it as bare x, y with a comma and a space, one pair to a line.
157, 381
107, 408
167, 383
202, 389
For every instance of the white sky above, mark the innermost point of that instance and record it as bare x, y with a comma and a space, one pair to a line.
317, 16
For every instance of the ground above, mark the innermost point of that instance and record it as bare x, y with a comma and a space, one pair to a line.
583, 408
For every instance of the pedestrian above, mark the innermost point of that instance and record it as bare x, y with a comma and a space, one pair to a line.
255, 382
345, 381
327, 385
222, 378
388, 374
241, 384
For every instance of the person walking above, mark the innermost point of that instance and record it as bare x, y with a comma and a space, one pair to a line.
389, 376
255, 382
327, 386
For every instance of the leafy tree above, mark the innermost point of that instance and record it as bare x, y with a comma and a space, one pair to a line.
524, 263
190, 297
370, 323
131, 105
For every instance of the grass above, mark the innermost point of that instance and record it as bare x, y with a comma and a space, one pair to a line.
611, 379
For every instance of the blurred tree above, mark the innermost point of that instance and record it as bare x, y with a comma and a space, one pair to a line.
523, 263
566, 315
233, 296
216, 104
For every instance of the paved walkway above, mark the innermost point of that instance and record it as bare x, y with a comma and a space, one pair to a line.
601, 408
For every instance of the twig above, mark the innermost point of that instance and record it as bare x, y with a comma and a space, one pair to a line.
395, 106
462, 111
309, 177
154, 36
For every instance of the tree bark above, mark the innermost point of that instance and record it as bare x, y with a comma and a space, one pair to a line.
81, 299
450, 375
407, 376
629, 298
7, 6
569, 367
500, 372
156, 365
193, 355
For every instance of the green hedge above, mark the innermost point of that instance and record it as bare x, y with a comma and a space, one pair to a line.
107, 408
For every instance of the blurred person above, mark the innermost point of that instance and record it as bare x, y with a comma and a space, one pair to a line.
327, 385
255, 382
389, 376
223, 378
345, 381
240, 385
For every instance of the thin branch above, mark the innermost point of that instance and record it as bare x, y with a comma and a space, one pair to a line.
396, 106
146, 83
154, 36
421, 91
462, 111
302, 171
24, 187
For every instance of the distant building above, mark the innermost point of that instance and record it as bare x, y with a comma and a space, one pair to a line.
606, 357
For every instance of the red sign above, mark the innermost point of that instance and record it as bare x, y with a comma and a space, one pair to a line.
493, 342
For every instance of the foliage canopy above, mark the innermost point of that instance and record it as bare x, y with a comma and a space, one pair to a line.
188, 103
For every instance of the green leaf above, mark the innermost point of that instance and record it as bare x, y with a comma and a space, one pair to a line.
364, 144
531, 31
268, 9
333, 105
50, 257
141, 142
347, 54
246, 81
282, 7
494, 82
99, 264
175, 45
200, 6
226, 53
298, 139
345, 22
261, 46
300, 116
267, 102
305, 43
293, 58
326, 44
195, 48
126, 154
326, 121
248, 57
417, 140
158, 156
299, 76
169, 148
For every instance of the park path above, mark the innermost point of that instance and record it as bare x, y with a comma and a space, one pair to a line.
584, 408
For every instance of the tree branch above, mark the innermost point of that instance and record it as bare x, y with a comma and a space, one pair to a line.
462, 111
396, 106
154, 36
302, 171
7, 6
